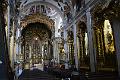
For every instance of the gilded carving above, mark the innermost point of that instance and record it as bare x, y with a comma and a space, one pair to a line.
4, 5
104, 40
102, 12
37, 18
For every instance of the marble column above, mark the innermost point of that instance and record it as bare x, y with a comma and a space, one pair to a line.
78, 51
12, 46
57, 52
65, 49
8, 26
42, 53
58, 59
68, 48
15, 52
116, 32
90, 32
55, 49
75, 46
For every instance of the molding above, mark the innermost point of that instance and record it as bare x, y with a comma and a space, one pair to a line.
37, 18
82, 12
102, 11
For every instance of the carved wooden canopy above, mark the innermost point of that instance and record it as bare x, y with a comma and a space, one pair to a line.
37, 18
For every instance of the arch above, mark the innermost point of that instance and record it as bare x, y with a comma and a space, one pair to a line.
37, 29
81, 25
37, 18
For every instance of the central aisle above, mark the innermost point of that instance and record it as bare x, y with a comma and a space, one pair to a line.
36, 74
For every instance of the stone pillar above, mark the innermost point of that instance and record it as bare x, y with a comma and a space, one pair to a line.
55, 45
12, 46
58, 56
90, 32
65, 49
78, 52
42, 53
57, 51
68, 48
8, 26
15, 52
116, 32
75, 46
54, 50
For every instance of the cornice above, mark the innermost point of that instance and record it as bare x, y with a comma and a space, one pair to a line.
82, 12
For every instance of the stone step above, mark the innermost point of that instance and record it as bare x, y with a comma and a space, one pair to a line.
36, 75
101, 76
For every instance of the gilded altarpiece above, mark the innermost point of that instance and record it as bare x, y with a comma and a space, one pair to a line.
36, 47
106, 57
105, 46
100, 48
110, 56
70, 40
83, 53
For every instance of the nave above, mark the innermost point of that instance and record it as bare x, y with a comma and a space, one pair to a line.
69, 39
50, 73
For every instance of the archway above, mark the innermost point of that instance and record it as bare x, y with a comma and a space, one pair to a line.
70, 42
36, 45
105, 48
110, 56
82, 43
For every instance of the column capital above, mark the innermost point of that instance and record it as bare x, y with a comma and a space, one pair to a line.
88, 10
88, 13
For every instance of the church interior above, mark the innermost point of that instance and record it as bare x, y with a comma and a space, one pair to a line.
59, 39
